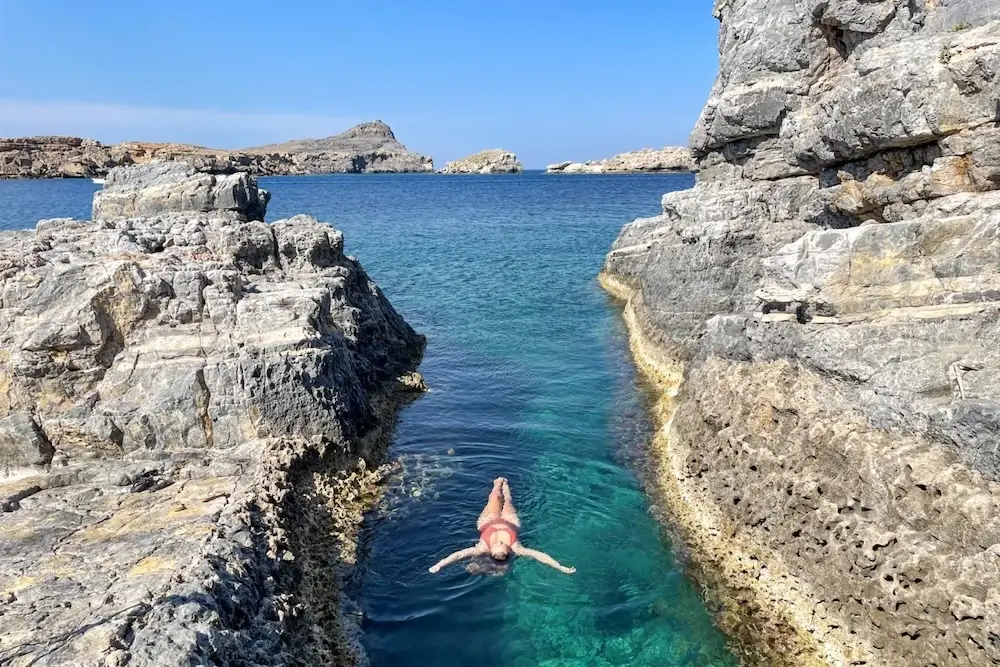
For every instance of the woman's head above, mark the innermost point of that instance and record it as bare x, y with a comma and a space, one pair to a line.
500, 551
488, 567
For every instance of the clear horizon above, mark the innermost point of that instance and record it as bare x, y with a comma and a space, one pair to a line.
566, 81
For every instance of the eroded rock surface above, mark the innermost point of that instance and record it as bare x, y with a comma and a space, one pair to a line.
369, 147
188, 399
827, 300
670, 158
491, 161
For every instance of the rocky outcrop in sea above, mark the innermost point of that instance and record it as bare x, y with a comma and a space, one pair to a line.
491, 161
369, 147
193, 409
670, 158
820, 315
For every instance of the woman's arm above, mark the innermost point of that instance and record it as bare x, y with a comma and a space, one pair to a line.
541, 557
459, 555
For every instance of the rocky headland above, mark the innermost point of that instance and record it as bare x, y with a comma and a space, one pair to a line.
819, 317
491, 161
369, 147
194, 406
670, 158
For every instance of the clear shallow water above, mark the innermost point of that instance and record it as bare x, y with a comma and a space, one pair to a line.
530, 378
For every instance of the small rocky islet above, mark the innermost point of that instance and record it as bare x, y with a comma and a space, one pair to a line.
490, 161
195, 407
647, 160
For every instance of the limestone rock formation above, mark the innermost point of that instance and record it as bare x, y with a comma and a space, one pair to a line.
670, 158
491, 161
369, 147
189, 403
175, 187
821, 315
54, 157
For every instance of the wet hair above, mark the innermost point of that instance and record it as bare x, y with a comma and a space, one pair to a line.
488, 567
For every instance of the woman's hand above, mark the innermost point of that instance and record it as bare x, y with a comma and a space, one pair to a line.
434, 569
567, 570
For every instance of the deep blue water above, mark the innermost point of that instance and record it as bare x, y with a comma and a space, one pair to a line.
530, 378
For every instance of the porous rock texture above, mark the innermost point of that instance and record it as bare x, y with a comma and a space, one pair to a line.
669, 158
192, 408
490, 161
369, 147
820, 315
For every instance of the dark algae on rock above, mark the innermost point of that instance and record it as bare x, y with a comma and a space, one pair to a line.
193, 409
819, 317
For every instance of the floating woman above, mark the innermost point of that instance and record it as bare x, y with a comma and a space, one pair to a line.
498, 525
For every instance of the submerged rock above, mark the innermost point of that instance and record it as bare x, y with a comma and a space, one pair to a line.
492, 161
670, 158
181, 388
820, 314
369, 147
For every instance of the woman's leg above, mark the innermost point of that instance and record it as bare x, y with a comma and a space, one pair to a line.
509, 512
494, 506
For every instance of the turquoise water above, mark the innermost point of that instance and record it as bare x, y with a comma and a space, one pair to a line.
530, 378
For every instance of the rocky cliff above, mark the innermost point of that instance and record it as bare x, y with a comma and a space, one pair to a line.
491, 161
369, 147
670, 158
820, 317
193, 405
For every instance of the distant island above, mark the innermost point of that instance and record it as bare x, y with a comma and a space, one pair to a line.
670, 158
369, 147
490, 161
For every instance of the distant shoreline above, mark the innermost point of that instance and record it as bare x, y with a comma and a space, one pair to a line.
4, 178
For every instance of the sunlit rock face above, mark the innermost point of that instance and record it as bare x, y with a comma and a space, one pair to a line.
491, 161
828, 294
369, 147
183, 390
669, 158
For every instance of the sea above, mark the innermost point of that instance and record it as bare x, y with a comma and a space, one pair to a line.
530, 378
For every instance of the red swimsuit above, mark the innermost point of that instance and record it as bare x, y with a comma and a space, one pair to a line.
498, 525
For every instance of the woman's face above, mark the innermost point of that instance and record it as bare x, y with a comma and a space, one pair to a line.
500, 551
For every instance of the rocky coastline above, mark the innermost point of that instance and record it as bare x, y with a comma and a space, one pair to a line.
367, 148
491, 161
818, 318
669, 158
194, 413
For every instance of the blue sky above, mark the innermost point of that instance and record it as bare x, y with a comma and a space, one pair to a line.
549, 79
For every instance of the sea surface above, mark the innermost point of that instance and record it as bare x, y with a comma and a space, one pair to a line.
530, 378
